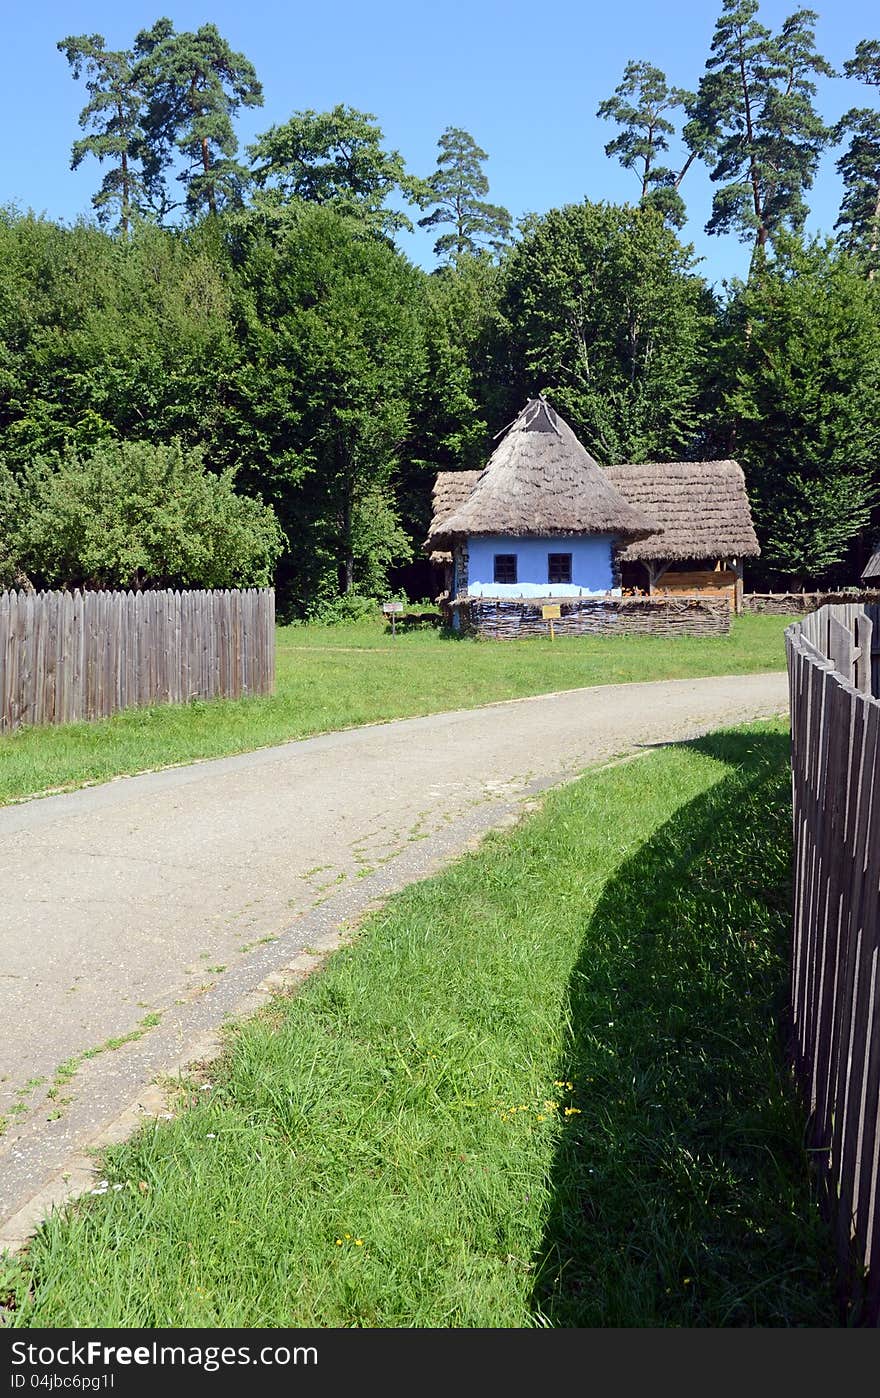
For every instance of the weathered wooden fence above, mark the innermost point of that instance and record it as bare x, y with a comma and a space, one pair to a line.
835, 987
83, 655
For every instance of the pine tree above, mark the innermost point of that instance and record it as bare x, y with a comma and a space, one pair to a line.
456, 189
859, 220
640, 105
196, 85
754, 121
113, 115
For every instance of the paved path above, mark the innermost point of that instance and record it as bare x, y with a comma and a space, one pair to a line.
172, 895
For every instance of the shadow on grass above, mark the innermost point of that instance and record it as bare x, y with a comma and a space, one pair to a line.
680, 1191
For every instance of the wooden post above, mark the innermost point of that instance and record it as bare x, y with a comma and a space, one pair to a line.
738, 587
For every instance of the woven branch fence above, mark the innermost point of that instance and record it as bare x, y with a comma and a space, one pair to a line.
505, 619
835, 989
793, 603
83, 655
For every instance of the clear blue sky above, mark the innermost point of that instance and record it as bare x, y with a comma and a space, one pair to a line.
524, 78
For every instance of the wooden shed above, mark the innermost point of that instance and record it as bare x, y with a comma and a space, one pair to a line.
705, 529
871, 570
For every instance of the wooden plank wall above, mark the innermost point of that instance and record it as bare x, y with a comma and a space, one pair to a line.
82, 655
835, 978
717, 583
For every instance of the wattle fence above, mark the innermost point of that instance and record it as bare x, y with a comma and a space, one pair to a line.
795, 603
83, 655
835, 987
514, 618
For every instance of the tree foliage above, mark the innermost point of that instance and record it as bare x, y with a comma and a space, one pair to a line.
859, 220
9, 514
113, 119
274, 336
604, 312
456, 189
754, 121
135, 514
101, 339
331, 362
334, 158
195, 84
641, 106
800, 378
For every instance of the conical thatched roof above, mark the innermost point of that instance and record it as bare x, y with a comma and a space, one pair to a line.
451, 489
541, 481
701, 506
872, 567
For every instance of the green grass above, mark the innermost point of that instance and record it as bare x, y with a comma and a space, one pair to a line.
343, 676
543, 1088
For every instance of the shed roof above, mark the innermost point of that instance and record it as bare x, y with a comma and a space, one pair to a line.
872, 567
541, 480
451, 489
702, 508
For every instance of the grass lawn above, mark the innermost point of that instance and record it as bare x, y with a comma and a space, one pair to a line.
342, 676
543, 1088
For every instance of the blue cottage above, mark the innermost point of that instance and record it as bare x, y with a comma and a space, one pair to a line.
542, 520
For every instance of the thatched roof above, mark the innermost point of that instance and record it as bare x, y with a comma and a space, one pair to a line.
702, 508
872, 567
540, 480
451, 489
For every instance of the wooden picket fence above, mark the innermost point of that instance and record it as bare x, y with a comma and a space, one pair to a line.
83, 655
835, 985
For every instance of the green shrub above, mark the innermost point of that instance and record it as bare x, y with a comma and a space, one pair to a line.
134, 514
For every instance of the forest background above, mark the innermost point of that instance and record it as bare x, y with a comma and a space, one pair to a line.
230, 371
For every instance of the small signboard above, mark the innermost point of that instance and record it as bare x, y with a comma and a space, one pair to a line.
393, 609
551, 612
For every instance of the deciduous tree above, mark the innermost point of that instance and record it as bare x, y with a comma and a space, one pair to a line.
134, 514
334, 158
319, 409
604, 312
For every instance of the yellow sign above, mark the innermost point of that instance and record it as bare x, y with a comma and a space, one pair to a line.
550, 613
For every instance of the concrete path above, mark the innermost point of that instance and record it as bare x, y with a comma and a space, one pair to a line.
153, 906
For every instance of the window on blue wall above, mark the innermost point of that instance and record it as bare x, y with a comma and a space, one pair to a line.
505, 568
559, 567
